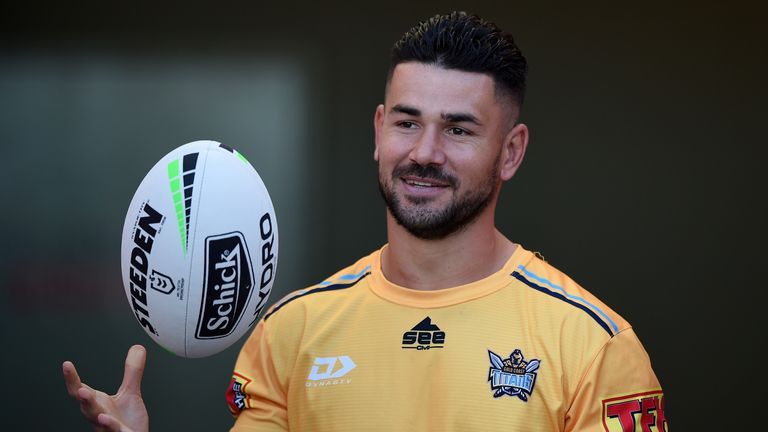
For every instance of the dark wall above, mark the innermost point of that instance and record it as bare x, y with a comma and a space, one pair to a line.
643, 178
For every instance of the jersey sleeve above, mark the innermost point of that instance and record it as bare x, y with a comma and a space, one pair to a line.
257, 392
619, 391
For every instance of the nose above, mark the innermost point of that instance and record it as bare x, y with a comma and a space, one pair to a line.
428, 148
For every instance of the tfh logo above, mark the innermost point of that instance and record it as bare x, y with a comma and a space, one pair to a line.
323, 368
626, 413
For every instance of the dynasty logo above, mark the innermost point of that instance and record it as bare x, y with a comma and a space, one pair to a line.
228, 285
513, 376
424, 336
325, 373
143, 239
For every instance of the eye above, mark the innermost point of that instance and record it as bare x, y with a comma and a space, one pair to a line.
458, 131
407, 124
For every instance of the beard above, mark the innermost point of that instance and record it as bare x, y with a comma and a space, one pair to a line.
429, 223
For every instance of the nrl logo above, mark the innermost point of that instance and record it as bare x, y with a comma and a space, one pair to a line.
513, 376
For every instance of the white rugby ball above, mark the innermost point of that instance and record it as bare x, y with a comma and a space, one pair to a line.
199, 249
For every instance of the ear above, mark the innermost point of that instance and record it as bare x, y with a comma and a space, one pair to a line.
515, 143
378, 120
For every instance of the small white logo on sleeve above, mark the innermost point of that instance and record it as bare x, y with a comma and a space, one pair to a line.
327, 370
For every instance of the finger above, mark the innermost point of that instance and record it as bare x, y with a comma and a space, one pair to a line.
71, 378
88, 404
134, 370
111, 423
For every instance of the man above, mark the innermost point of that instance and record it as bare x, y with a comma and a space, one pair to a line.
414, 336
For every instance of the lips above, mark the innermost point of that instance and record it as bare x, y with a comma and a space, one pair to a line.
420, 182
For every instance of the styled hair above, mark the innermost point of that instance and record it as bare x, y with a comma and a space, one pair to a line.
467, 43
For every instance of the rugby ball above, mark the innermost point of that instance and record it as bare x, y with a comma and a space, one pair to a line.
199, 249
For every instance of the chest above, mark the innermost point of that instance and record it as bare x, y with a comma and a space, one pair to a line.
457, 369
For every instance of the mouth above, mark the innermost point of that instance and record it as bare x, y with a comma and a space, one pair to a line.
421, 182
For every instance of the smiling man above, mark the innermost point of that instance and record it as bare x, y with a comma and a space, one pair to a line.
450, 326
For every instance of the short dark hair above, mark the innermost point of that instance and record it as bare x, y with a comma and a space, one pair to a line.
467, 43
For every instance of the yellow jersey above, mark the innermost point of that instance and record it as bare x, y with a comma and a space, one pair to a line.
524, 349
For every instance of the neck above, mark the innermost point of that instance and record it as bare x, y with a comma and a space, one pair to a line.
475, 252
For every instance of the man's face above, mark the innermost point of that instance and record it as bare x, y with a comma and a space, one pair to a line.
439, 139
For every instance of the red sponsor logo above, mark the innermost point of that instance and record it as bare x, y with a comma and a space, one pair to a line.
237, 398
636, 412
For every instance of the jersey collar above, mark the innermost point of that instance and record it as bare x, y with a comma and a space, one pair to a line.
394, 293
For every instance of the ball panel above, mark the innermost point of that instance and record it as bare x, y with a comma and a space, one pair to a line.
227, 262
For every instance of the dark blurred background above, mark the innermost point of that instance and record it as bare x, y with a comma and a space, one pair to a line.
643, 179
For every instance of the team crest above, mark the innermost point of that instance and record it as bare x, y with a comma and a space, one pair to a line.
513, 376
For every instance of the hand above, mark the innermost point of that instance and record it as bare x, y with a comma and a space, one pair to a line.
121, 412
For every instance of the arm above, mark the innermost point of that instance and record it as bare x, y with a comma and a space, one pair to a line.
122, 412
619, 391
257, 394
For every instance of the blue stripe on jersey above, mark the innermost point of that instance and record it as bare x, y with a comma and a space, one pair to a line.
348, 276
556, 295
533, 275
315, 290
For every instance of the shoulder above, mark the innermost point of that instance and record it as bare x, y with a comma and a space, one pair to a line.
333, 289
561, 295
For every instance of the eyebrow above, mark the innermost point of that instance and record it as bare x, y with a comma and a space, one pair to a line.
405, 109
460, 117
450, 117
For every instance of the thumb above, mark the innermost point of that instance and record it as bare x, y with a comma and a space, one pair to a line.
134, 370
